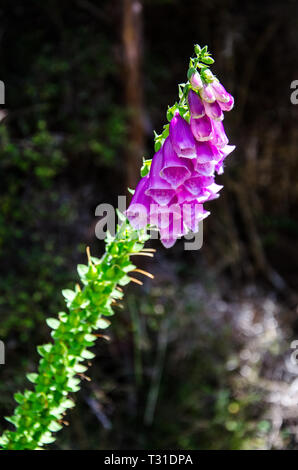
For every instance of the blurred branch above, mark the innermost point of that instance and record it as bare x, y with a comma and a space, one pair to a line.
132, 39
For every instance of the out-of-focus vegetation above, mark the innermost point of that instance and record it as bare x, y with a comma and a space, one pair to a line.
201, 358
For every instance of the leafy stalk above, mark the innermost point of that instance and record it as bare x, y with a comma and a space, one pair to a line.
40, 411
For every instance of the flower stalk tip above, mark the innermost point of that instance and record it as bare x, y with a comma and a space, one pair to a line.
189, 151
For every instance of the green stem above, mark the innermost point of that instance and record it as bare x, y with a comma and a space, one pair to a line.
40, 411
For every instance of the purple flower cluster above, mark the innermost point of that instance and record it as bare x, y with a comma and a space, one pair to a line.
181, 176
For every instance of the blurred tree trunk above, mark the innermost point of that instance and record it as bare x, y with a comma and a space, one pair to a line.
132, 40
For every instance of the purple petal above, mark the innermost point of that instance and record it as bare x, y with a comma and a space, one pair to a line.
181, 137
169, 235
201, 128
196, 81
193, 213
219, 136
197, 184
206, 152
214, 188
224, 152
195, 104
214, 111
205, 169
227, 106
220, 92
175, 169
158, 188
207, 94
162, 216
138, 210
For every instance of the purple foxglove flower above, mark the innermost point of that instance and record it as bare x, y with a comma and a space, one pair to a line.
205, 169
220, 92
169, 235
197, 184
161, 216
184, 195
219, 136
224, 152
227, 105
206, 152
203, 197
201, 128
195, 104
214, 188
181, 137
174, 169
219, 168
207, 94
212, 197
158, 188
193, 214
196, 81
138, 210
214, 110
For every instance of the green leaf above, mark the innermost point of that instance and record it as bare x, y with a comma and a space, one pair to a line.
68, 294
190, 72
87, 354
197, 49
102, 323
54, 426
90, 338
207, 60
19, 398
68, 403
145, 167
45, 348
53, 323
79, 368
47, 438
82, 270
157, 146
32, 377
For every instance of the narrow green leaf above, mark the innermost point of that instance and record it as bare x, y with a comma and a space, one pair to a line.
53, 323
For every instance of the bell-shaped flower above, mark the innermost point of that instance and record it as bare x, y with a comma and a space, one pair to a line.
195, 104
196, 81
181, 137
219, 136
193, 214
205, 169
175, 170
169, 235
158, 188
139, 208
201, 128
227, 105
220, 92
224, 152
161, 216
197, 184
206, 152
214, 188
207, 94
214, 110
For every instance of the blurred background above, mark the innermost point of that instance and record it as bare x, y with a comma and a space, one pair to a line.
202, 357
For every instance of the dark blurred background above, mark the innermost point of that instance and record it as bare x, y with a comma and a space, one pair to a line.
201, 357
